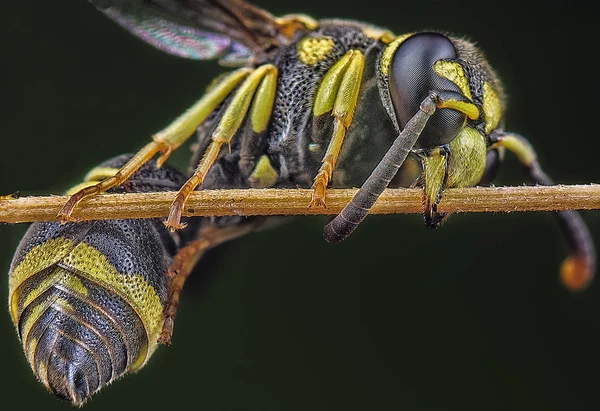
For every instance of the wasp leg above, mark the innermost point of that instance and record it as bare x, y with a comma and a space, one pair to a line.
164, 142
435, 177
344, 224
185, 260
338, 94
578, 269
264, 76
260, 116
459, 163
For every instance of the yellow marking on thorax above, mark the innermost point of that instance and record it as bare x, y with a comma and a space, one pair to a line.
390, 50
294, 20
264, 175
453, 71
375, 33
312, 50
492, 108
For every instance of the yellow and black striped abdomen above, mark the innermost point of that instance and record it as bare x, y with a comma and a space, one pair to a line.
88, 298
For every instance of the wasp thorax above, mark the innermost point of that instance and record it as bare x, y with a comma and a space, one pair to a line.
412, 77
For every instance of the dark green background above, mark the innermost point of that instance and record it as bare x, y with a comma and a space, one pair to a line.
467, 317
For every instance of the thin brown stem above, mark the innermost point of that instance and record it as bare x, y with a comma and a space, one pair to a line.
295, 202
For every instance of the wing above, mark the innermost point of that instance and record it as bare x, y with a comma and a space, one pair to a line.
232, 30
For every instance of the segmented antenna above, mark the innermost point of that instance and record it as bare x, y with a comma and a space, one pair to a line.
342, 225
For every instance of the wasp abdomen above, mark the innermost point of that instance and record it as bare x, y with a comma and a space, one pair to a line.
88, 298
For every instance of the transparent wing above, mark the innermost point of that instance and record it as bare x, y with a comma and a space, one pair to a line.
231, 30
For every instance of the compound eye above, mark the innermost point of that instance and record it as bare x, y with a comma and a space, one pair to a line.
412, 77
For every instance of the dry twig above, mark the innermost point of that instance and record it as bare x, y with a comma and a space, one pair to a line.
295, 201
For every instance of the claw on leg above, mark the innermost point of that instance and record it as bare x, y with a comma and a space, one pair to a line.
165, 141
142, 157
180, 269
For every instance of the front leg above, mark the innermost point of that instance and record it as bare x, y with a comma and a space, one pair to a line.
435, 163
337, 96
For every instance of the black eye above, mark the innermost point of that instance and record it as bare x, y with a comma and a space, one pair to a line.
412, 77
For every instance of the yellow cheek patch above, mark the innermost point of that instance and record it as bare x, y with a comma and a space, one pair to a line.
492, 108
312, 50
469, 153
454, 72
390, 50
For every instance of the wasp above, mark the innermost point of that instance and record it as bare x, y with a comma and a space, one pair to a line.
308, 103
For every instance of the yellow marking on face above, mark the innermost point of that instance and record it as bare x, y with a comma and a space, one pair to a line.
132, 288
469, 151
390, 50
453, 71
385, 36
264, 175
492, 108
468, 109
312, 50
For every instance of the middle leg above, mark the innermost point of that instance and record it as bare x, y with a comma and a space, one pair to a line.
258, 89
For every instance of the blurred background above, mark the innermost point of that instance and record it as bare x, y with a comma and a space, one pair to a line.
467, 317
